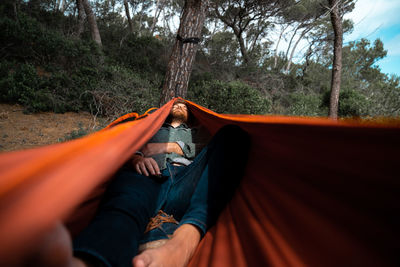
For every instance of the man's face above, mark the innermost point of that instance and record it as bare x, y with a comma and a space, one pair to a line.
180, 111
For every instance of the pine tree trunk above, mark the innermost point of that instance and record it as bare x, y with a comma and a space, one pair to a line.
15, 9
289, 64
184, 52
94, 30
156, 15
242, 47
57, 5
337, 58
62, 7
290, 42
277, 46
128, 15
81, 18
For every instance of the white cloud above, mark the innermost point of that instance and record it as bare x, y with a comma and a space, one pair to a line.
393, 46
369, 16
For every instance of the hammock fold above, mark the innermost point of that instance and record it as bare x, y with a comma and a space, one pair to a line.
315, 192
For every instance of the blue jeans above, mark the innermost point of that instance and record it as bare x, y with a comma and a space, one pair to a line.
195, 194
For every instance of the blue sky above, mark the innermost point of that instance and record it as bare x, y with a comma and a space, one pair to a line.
372, 19
379, 19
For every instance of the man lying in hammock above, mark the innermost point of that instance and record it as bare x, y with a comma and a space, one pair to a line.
155, 213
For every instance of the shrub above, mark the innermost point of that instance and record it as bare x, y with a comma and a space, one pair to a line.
229, 97
351, 103
143, 54
22, 85
305, 105
123, 91
26, 40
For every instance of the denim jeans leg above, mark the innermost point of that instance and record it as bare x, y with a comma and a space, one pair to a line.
182, 186
207, 186
113, 236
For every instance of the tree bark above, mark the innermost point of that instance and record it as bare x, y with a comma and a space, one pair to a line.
243, 49
81, 18
128, 15
15, 10
277, 46
184, 52
62, 7
57, 5
289, 64
94, 30
156, 15
291, 40
337, 58
140, 21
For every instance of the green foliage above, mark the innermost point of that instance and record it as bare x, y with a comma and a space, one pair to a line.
359, 60
122, 91
44, 66
25, 87
26, 40
317, 78
384, 97
223, 48
229, 97
143, 54
305, 105
48, 71
302, 11
351, 103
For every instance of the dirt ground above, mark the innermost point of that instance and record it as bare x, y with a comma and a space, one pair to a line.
23, 131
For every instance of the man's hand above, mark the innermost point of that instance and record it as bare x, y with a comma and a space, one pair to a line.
145, 166
151, 149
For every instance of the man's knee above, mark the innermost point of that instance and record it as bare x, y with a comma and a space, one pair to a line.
230, 129
233, 136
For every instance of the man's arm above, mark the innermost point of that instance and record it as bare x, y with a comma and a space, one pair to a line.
145, 165
148, 166
151, 149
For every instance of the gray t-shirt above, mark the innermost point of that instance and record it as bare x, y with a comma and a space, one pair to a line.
191, 140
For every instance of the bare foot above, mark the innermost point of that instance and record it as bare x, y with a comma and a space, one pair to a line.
176, 252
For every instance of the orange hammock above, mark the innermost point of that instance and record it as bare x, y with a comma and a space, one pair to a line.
315, 193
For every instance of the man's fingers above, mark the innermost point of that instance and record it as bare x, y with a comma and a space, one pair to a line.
150, 167
155, 166
147, 166
144, 170
137, 168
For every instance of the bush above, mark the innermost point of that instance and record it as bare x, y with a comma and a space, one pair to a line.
122, 91
143, 54
229, 97
305, 105
26, 40
351, 103
22, 85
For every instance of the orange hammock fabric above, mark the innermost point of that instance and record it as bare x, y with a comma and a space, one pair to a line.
315, 192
